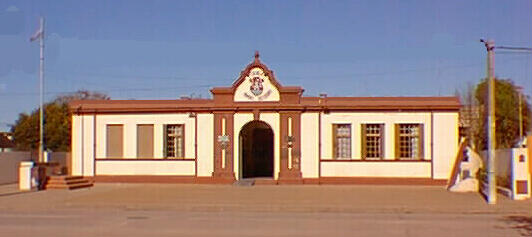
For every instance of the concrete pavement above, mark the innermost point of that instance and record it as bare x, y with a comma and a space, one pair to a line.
308, 210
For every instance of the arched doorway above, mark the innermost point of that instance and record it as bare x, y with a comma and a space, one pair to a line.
256, 150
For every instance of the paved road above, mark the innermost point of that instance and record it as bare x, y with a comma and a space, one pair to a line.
169, 223
214, 210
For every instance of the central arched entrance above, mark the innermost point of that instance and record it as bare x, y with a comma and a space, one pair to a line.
256, 150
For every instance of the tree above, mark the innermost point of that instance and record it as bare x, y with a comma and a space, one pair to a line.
57, 123
506, 114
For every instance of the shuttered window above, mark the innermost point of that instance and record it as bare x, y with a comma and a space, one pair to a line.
115, 141
409, 141
372, 141
174, 141
145, 141
342, 141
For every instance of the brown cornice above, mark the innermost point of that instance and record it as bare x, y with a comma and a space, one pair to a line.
332, 104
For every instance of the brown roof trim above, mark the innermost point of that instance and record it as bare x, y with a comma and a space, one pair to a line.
307, 104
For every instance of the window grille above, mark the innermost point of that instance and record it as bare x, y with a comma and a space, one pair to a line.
175, 141
342, 140
372, 141
409, 142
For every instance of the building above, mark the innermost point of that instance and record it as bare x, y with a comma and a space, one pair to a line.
258, 128
6, 142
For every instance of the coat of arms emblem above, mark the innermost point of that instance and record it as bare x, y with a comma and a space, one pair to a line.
256, 85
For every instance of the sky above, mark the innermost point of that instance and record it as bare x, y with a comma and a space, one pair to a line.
168, 49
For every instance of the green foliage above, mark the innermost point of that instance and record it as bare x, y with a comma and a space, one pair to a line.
506, 114
57, 123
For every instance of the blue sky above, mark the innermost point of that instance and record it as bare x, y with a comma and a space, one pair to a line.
166, 49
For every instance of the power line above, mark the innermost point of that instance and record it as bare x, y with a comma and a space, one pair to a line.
109, 90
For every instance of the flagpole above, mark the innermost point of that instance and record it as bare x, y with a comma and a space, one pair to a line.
41, 87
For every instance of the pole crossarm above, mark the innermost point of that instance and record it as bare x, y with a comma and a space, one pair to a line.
514, 48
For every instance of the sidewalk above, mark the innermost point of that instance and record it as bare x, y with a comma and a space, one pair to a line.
301, 198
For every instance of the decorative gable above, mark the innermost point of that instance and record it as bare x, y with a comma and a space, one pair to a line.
257, 83
256, 86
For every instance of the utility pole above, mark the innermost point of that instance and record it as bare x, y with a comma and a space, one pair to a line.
492, 181
40, 35
41, 83
520, 94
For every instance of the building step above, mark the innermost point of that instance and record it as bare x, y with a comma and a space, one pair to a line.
67, 182
69, 187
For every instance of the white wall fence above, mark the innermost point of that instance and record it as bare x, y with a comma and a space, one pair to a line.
9, 163
511, 168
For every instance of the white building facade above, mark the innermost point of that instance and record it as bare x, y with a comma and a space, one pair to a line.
259, 129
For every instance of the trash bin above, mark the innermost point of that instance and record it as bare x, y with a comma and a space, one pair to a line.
24, 175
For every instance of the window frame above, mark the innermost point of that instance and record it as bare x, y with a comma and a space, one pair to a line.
420, 141
335, 150
165, 143
364, 138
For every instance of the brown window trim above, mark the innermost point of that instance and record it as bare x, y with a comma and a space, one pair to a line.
165, 142
421, 145
335, 143
363, 136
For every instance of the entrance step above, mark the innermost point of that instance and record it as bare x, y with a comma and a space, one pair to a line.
244, 182
67, 182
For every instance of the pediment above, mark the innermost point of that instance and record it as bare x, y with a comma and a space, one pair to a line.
256, 83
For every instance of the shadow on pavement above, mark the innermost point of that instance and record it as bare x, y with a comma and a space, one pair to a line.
14, 193
523, 224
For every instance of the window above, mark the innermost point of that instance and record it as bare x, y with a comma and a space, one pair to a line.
145, 141
175, 141
341, 140
409, 141
114, 146
372, 141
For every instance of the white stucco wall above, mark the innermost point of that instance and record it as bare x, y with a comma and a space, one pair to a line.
83, 150
205, 144
376, 169
445, 143
309, 145
82, 145
144, 167
130, 122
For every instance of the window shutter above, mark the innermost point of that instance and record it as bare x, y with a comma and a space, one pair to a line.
335, 141
421, 154
397, 148
363, 153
